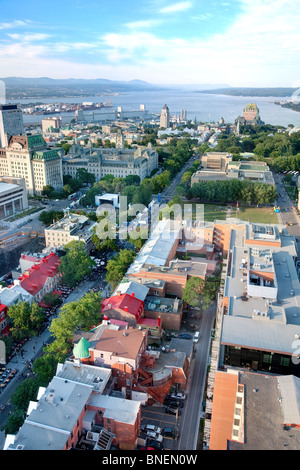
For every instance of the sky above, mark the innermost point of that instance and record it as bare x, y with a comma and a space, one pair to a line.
233, 42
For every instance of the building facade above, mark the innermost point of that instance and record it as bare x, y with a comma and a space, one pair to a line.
49, 124
11, 122
165, 117
13, 196
29, 157
250, 116
118, 162
71, 227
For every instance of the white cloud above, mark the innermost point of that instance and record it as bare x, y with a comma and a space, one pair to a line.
14, 24
28, 37
142, 24
181, 6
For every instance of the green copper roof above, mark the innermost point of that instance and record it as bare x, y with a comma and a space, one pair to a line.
81, 350
36, 141
45, 155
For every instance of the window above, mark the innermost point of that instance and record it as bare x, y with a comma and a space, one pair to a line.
285, 361
267, 358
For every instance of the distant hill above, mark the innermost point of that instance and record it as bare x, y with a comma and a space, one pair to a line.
45, 87
252, 92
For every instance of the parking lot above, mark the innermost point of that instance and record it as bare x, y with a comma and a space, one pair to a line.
156, 415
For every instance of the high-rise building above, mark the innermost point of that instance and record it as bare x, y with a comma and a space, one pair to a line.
49, 124
165, 117
11, 122
28, 157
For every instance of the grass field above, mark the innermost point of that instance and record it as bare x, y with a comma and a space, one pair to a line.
251, 214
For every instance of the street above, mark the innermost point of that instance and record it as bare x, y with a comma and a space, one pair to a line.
288, 213
169, 192
190, 422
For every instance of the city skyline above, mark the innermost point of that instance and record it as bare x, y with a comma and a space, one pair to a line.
235, 42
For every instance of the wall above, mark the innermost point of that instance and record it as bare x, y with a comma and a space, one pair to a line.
10, 256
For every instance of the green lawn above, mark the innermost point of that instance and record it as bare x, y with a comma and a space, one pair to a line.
264, 215
251, 214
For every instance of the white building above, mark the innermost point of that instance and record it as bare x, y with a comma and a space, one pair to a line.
71, 227
51, 123
165, 117
13, 196
11, 122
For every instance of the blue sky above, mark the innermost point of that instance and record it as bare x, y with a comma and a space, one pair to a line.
238, 42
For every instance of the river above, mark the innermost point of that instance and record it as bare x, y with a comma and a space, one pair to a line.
205, 107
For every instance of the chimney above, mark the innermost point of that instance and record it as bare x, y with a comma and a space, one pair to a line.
132, 294
159, 320
118, 292
126, 308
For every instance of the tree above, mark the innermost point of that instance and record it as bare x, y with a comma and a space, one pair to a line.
84, 176
26, 391
200, 293
66, 147
84, 314
45, 367
51, 299
117, 267
47, 217
47, 190
193, 291
132, 180
26, 319
103, 245
75, 264
14, 421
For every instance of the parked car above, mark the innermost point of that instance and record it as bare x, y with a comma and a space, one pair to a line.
185, 336
151, 427
169, 432
171, 411
196, 337
155, 444
175, 403
155, 436
178, 396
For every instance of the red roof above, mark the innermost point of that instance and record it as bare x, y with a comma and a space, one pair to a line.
124, 302
34, 279
3, 308
149, 322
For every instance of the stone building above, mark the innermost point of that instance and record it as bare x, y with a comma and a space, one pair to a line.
119, 162
28, 157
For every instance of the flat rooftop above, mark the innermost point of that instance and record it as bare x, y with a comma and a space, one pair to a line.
158, 247
265, 315
265, 403
118, 409
7, 187
179, 268
163, 304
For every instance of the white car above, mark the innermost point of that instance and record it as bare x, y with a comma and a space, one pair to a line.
151, 428
196, 337
178, 396
154, 435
